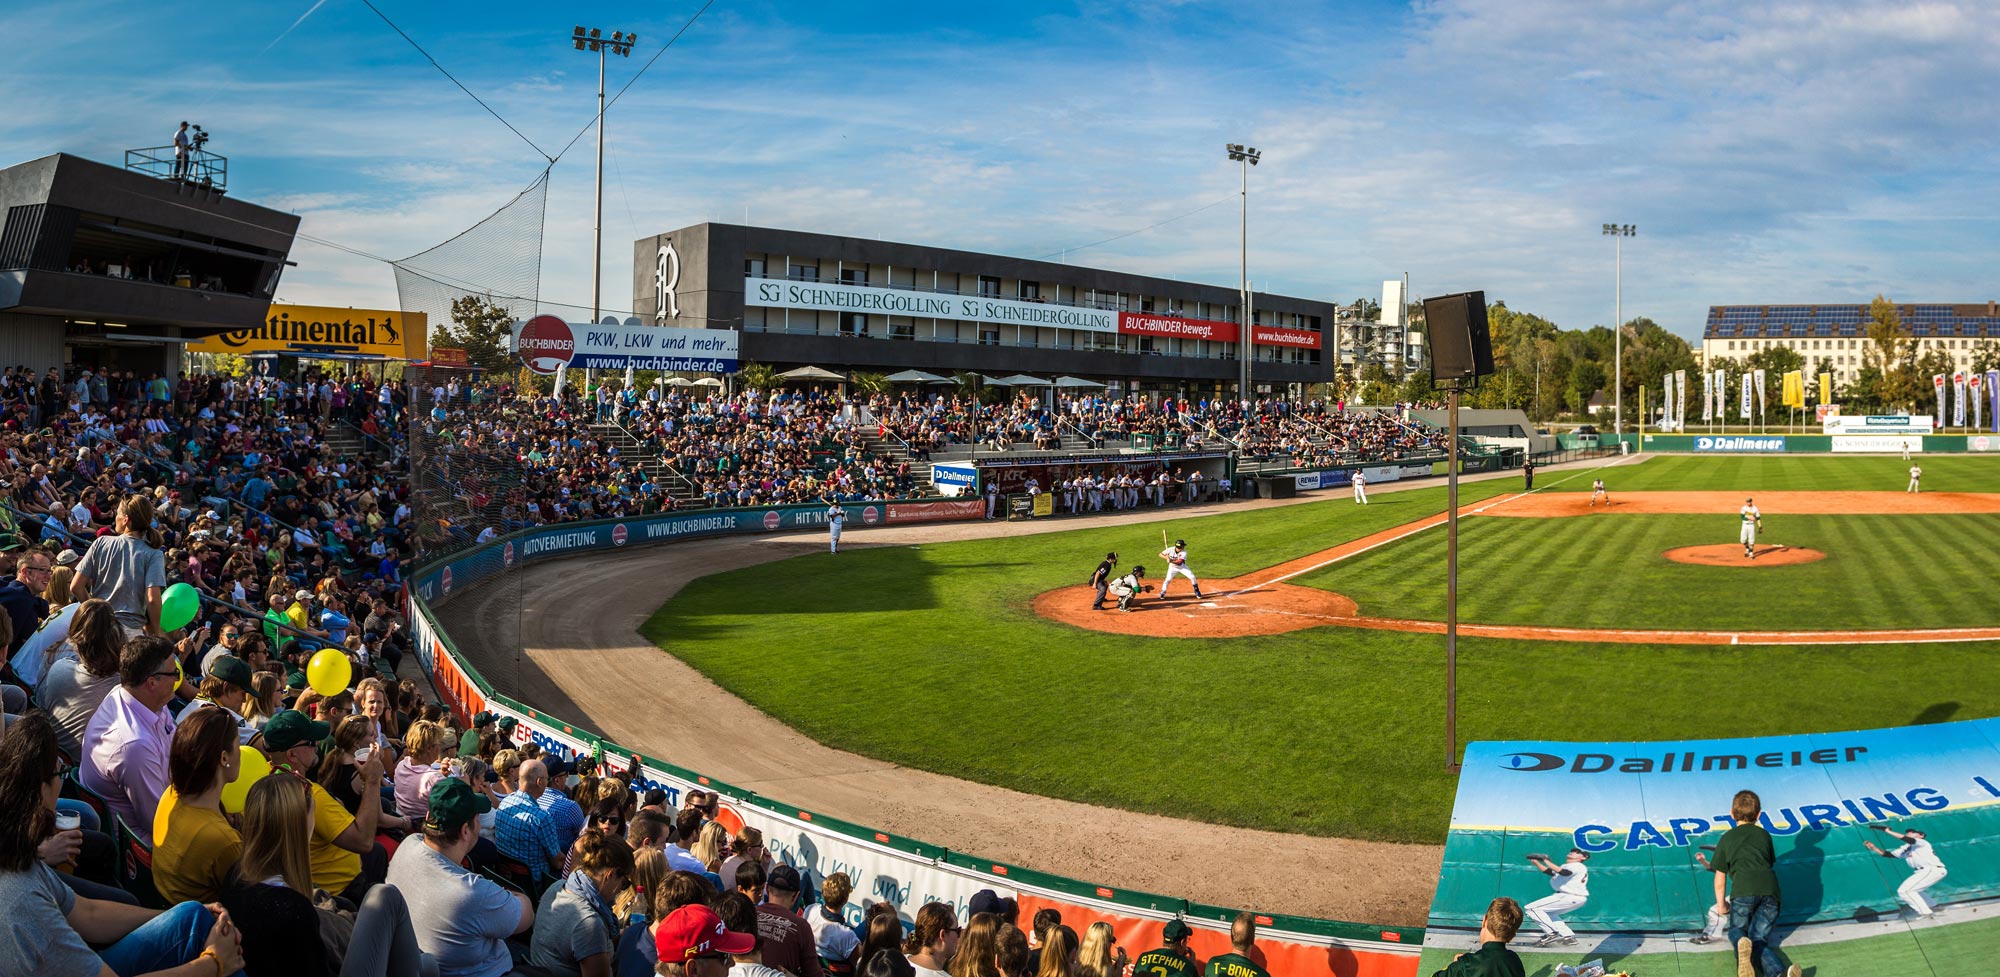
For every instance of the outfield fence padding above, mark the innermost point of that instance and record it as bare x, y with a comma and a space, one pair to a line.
883, 866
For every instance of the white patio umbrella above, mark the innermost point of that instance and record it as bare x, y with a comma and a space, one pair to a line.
706, 382
1024, 380
811, 373
1076, 382
915, 376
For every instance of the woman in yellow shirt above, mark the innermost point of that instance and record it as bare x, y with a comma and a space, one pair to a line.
194, 844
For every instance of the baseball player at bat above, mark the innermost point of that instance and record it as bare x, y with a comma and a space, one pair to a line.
1571, 882
1176, 557
1926, 869
1753, 521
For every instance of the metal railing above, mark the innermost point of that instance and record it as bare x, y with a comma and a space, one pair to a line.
202, 168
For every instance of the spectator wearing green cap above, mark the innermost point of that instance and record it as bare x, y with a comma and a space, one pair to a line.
461, 919
1174, 959
346, 860
468, 741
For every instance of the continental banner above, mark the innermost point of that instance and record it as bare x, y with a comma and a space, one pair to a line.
321, 329
1622, 829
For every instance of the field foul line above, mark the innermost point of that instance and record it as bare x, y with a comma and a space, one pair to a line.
1423, 524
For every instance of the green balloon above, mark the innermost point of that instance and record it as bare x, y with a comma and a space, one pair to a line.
178, 606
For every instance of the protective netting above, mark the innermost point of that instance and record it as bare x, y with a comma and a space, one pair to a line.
498, 259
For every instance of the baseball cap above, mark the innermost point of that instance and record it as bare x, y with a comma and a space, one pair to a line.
983, 901
508, 722
694, 931
783, 877
290, 727
234, 671
482, 719
1177, 930
68, 558
453, 803
303, 595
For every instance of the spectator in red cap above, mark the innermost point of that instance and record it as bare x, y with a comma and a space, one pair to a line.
693, 942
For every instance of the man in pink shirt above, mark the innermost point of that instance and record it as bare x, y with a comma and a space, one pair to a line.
126, 745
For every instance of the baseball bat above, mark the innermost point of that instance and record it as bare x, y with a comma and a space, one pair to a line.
1163, 538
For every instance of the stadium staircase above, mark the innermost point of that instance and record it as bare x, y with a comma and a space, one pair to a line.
632, 452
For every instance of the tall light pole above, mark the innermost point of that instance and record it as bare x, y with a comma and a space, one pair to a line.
1618, 233
620, 43
1248, 156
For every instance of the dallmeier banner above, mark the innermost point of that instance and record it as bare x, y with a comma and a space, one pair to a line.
832, 297
1606, 838
319, 329
546, 343
1732, 443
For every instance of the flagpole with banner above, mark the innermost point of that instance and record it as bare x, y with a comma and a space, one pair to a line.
1958, 401
1743, 408
1937, 381
1763, 402
1708, 398
1977, 395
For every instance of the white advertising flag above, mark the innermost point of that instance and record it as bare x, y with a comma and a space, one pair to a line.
1722, 395
1937, 380
1707, 396
1680, 400
1743, 409
1973, 382
1763, 403
1958, 403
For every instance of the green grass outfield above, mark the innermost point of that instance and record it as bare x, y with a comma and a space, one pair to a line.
930, 657
1959, 948
1793, 473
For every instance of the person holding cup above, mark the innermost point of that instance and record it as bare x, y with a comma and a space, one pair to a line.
194, 845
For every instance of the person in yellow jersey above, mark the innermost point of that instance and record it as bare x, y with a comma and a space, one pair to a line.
1172, 960
1240, 961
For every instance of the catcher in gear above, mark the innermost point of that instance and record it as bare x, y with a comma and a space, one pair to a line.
1127, 588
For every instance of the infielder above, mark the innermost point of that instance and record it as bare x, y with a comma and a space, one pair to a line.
1925, 868
835, 517
1176, 557
1571, 880
1597, 492
1100, 580
1753, 520
1916, 473
1360, 483
1906, 450
1127, 588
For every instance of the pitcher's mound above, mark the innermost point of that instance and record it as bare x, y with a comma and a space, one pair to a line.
1731, 555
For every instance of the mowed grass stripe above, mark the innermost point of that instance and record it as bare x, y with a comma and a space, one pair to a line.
1797, 473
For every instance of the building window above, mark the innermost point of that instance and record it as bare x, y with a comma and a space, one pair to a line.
854, 324
1028, 291
989, 287
989, 337
805, 273
753, 267
902, 330
854, 276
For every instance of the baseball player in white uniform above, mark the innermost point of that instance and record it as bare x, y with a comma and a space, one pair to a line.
1571, 880
1906, 449
992, 499
1916, 473
1925, 868
835, 517
1176, 557
1752, 521
1360, 483
1128, 588
1597, 492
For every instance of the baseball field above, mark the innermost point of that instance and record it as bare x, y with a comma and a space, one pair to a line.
1305, 695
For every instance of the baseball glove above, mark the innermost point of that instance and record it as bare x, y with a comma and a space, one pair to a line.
1535, 856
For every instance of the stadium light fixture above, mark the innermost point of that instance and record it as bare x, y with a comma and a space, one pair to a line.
1245, 347
1618, 232
621, 44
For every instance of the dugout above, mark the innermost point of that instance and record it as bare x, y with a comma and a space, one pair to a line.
1013, 473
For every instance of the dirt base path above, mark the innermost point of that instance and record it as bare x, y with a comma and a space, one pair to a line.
583, 659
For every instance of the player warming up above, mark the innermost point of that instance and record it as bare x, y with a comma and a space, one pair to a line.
1916, 473
1360, 483
1571, 880
1752, 521
1127, 588
835, 518
1925, 868
1176, 557
1597, 492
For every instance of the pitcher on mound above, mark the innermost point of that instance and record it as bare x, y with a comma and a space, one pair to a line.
1753, 520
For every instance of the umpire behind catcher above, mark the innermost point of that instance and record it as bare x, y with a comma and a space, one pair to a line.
1100, 580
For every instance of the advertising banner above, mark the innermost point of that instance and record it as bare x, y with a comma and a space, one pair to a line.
953, 511
447, 356
1629, 823
833, 297
1958, 399
1937, 380
1876, 424
1978, 397
955, 478
1722, 395
315, 328
1826, 388
1280, 336
1743, 410
1852, 444
1680, 400
546, 344
1147, 324
1993, 392
1763, 401
1707, 396
1793, 394
1667, 402
1735, 444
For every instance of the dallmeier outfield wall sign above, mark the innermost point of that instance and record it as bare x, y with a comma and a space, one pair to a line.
831, 297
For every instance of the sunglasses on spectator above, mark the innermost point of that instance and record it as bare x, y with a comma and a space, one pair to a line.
612, 820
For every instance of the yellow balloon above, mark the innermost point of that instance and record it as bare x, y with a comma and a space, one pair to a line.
250, 769
328, 672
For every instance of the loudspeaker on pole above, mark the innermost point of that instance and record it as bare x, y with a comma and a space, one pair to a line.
1461, 344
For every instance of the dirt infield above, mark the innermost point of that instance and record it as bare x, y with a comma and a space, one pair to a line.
1731, 555
1546, 505
1260, 602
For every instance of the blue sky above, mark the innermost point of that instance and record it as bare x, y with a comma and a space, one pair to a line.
1805, 152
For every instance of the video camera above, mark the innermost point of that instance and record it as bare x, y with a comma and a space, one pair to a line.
197, 136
